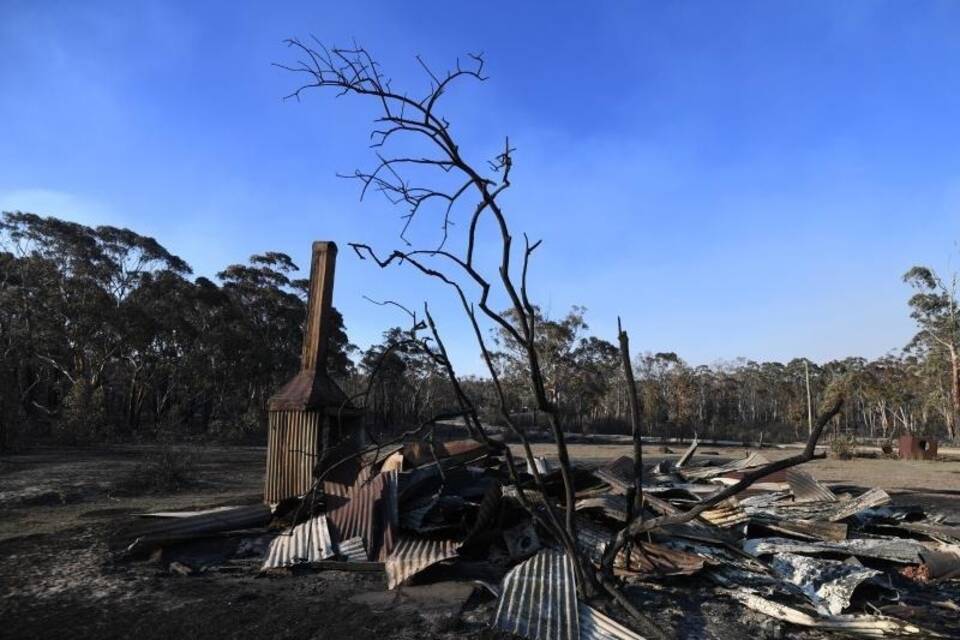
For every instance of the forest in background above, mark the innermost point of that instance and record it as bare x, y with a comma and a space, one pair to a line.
106, 336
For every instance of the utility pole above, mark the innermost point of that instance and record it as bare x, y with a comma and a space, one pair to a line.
806, 375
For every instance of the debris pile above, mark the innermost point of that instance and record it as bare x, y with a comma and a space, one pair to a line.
789, 547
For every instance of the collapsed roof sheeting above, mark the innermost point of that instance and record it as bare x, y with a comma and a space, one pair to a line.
752, 461
806, 488
309, 541
832, 511
596, 626
369, 510
644, 557
413, 554
169, 530
828, 583
889, 549
539, 599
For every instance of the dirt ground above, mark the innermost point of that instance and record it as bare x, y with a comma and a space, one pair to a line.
60, 507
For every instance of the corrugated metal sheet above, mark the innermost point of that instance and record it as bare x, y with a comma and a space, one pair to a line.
369, 510
613, 506
893, 549
596, 626
828, 583
309, 541
167, 530
645, 558
353, 550
873, 498
821, 510
539, 599
806, 488
293, 445
702, 473
808, 529
727, 514
411, 555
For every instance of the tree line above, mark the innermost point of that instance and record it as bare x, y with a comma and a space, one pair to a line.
105, 335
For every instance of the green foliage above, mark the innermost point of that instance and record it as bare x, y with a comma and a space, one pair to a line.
103, 336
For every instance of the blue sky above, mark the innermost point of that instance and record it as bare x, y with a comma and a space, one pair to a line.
734, 179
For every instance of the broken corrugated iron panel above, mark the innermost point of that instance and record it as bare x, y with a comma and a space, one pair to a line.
418, 453
823, 510
168, 530
613, 506
890, 549
645, 558
873, 498
539, 599
618, 474
807, 529
369, 510
806, 488
353, 550
688, 454
307, 542
752, 461
596, 626
828, 583
411, 555
725, 515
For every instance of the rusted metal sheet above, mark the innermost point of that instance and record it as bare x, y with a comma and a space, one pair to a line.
645, 558
806, 488
413, 554
293, 446
168, 530
596, 626
913, 447
725, 515
539, 599
891, 549
829, 584
369, 510
418, 453
808, 529
307, 542
752, 461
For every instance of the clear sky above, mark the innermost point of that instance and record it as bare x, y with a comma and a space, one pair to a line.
734, 179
